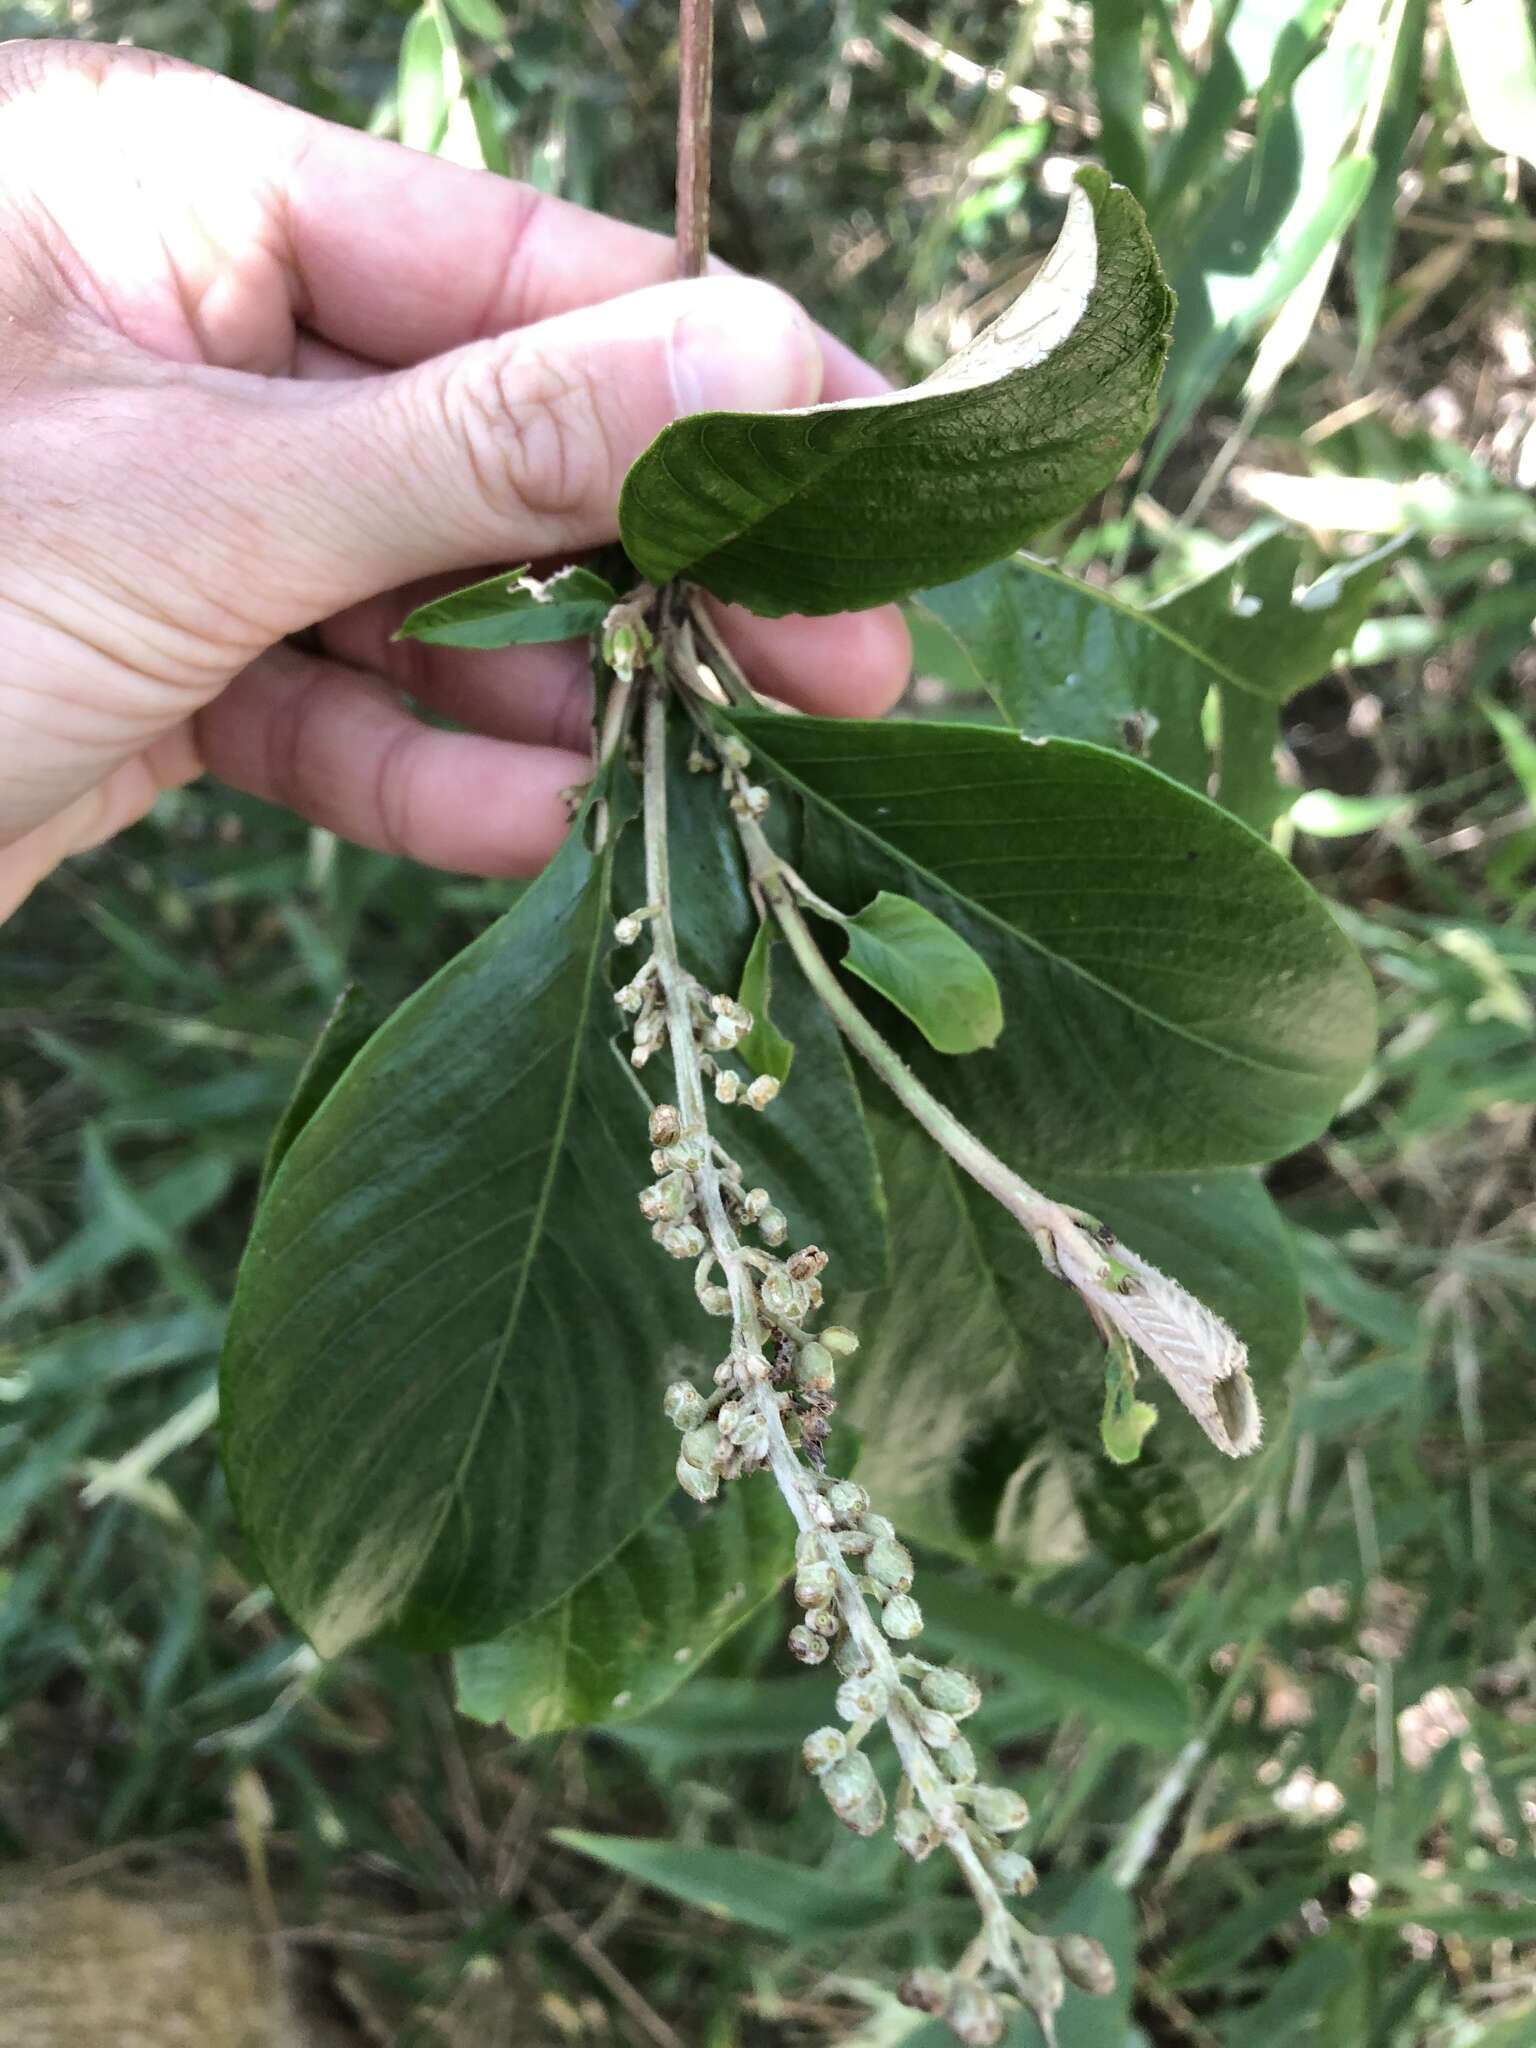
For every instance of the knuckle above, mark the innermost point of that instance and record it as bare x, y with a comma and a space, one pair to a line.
533, 436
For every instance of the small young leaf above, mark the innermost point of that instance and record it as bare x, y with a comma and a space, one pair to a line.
928, 971
514, 609
765, 1048
836, 507
1126, 1420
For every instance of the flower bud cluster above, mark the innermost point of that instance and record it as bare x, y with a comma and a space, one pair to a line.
979, 2015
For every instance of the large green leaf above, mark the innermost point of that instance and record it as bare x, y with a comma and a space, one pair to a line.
1063, 659
1176, 996
629, 1635
835, 507
442, 1373
979, 1383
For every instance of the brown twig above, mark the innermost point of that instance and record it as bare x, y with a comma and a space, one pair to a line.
696, 47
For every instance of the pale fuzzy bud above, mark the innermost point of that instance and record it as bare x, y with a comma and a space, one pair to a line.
1086, 1963
781, 1296
683, 1405
958, 1763
890, 1565
727, 1415
806, 1263
682, 1240
629, 998
1013, 1874
772, 1225
937, 1730
840, 1341
665, 1123
999, 1809
846, 1499
811, 1548
825, 1621
673, 1195
863, 1697
727, 1373
815, 1585
755, 1203
734, 752
698, 1483
650, 1205
727, 1086
882, 1530
750, 1436
626, 931
762, 1091
814, 1370
723, 1036
901, 1618
855, 1542
953, 1692
975, 2015
924, 1990
750, 802
688, 1154
850, 1659
701, 1446
715, 1301
914, 1833
854, 1794
822, 1748
809, 1647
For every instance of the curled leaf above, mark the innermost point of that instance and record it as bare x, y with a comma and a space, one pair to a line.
935, 978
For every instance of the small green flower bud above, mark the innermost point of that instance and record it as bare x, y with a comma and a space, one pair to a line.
701, 1446
901, 1618
683, 1405
814, 1370
761, 1092
825, 1621
755, 1202
863, 1697
696, 1482
914, 1833
734, 752
687, 1154
953, 1692
937, 1730
842, 1343
822, 1748
809, 1647
882, 1530
1013, 1874
924, 1990
682, 1240
958, 1762
715, 1301
1086, 1963
846, 1500
815, 1585
772, 1225
890, 1565
665, 1123
782, 1296
854, 1794
999, 1809
975, 2015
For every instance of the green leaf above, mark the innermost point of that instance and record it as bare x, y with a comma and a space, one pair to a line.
481, 18
1496, 57
1119, 84
762, 1892
765, 1048
423, 89
928, 971
629, 1635
352, 1022
1074, 1670
514, 609
1125, 1422
1375, 236
444, 1361
836, 507
1176, 995
978, 1383
1063, 659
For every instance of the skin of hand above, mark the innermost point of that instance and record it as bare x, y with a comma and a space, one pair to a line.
260, 374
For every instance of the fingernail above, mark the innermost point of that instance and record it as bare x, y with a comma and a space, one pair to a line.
744, 347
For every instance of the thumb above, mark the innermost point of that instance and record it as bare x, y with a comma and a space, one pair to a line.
515, 448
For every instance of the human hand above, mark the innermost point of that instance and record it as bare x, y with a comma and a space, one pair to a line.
262, 373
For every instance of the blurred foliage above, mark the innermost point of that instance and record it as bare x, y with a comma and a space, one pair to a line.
1309, 1742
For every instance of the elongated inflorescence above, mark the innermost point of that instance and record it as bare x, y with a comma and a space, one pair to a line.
770, 1408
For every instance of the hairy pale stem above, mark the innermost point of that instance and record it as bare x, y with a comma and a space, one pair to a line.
696, 50
1004, 1939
